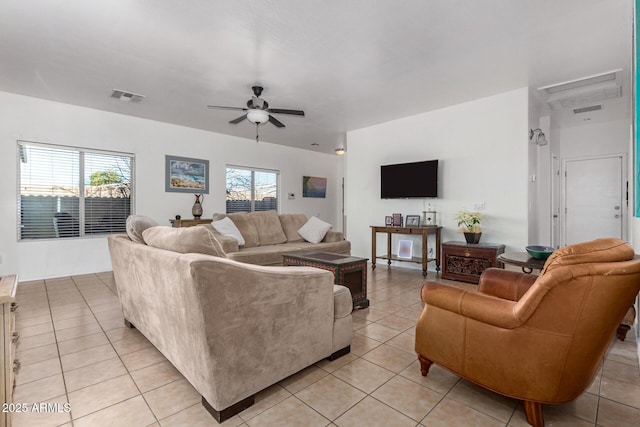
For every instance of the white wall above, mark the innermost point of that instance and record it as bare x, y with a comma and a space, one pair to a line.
31, 119
482, 148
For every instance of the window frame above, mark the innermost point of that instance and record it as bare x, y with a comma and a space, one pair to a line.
253, 171
81, 151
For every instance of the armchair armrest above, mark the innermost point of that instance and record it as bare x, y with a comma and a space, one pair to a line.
505, 284
333, 236
481, 307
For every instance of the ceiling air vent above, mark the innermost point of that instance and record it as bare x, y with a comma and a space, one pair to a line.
587, 109
587, 90
126, 96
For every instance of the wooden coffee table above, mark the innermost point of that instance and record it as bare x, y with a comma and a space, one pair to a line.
349, 271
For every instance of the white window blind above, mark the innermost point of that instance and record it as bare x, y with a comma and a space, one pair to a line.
250, 190
72, 192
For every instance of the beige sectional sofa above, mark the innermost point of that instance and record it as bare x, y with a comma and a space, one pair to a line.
268, 235
231, 328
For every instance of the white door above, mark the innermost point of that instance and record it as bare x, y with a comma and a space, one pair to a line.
593, 199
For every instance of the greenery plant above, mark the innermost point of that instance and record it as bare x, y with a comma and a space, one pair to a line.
469, 222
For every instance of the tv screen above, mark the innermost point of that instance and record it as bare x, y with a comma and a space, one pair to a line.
409, 180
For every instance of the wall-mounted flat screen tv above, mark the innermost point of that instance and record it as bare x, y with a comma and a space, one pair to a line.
409, 180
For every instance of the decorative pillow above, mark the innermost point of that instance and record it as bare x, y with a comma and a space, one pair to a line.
269, 227
314, 230
136, 224
184, 240
226, 227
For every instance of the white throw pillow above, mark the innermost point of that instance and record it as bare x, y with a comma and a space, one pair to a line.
226, 227
314, 230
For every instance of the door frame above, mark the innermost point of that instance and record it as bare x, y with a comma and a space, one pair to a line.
562, 182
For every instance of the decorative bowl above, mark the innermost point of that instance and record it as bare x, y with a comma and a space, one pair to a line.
539, 252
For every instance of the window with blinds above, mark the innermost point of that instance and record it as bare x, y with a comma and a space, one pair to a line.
250, 190
72, 192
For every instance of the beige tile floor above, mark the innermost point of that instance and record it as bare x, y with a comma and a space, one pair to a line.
75, 349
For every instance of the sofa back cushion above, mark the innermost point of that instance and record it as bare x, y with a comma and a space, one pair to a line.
247, 229
136, 224
183, 240
291, 223
268, 227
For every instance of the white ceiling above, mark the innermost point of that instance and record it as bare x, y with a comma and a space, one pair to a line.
347, 63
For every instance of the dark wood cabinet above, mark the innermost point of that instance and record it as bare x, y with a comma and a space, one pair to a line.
466, 261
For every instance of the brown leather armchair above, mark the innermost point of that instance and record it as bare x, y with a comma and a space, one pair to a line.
540, 339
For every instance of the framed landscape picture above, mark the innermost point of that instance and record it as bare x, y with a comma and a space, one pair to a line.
314, 187
186, 175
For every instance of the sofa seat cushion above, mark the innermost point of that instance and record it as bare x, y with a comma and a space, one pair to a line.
243, 221
341, 247
268, 227
136, 224
291, 223
184, 240
264, 255
342, 301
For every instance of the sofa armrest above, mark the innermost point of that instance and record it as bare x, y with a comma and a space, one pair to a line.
505, 284
481, 307
229, 244
333, 236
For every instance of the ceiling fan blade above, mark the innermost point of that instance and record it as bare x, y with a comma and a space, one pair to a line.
275, 121
281, 111
218, 107
238, 120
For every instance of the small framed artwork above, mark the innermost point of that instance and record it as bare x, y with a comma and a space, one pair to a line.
413, 221
397, 220
186, 175
405, 249
388, 221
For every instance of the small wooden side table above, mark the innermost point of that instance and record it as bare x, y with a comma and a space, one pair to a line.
177, 223
466, 261
523, 260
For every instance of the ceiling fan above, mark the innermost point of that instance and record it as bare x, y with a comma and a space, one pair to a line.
258, 111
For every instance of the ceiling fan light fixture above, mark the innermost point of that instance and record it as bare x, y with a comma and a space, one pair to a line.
340, 151
258, 116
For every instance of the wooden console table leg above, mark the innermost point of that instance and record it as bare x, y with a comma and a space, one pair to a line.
425, 252
438, 249
388, 248
373, 248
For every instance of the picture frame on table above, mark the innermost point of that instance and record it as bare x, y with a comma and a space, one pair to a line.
388, 221
397, 220
405, 249
413, 221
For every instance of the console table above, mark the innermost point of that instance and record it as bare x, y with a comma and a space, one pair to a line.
178, 223
416, 231
466, 261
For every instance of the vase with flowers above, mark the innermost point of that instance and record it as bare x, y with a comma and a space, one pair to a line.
469, 223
